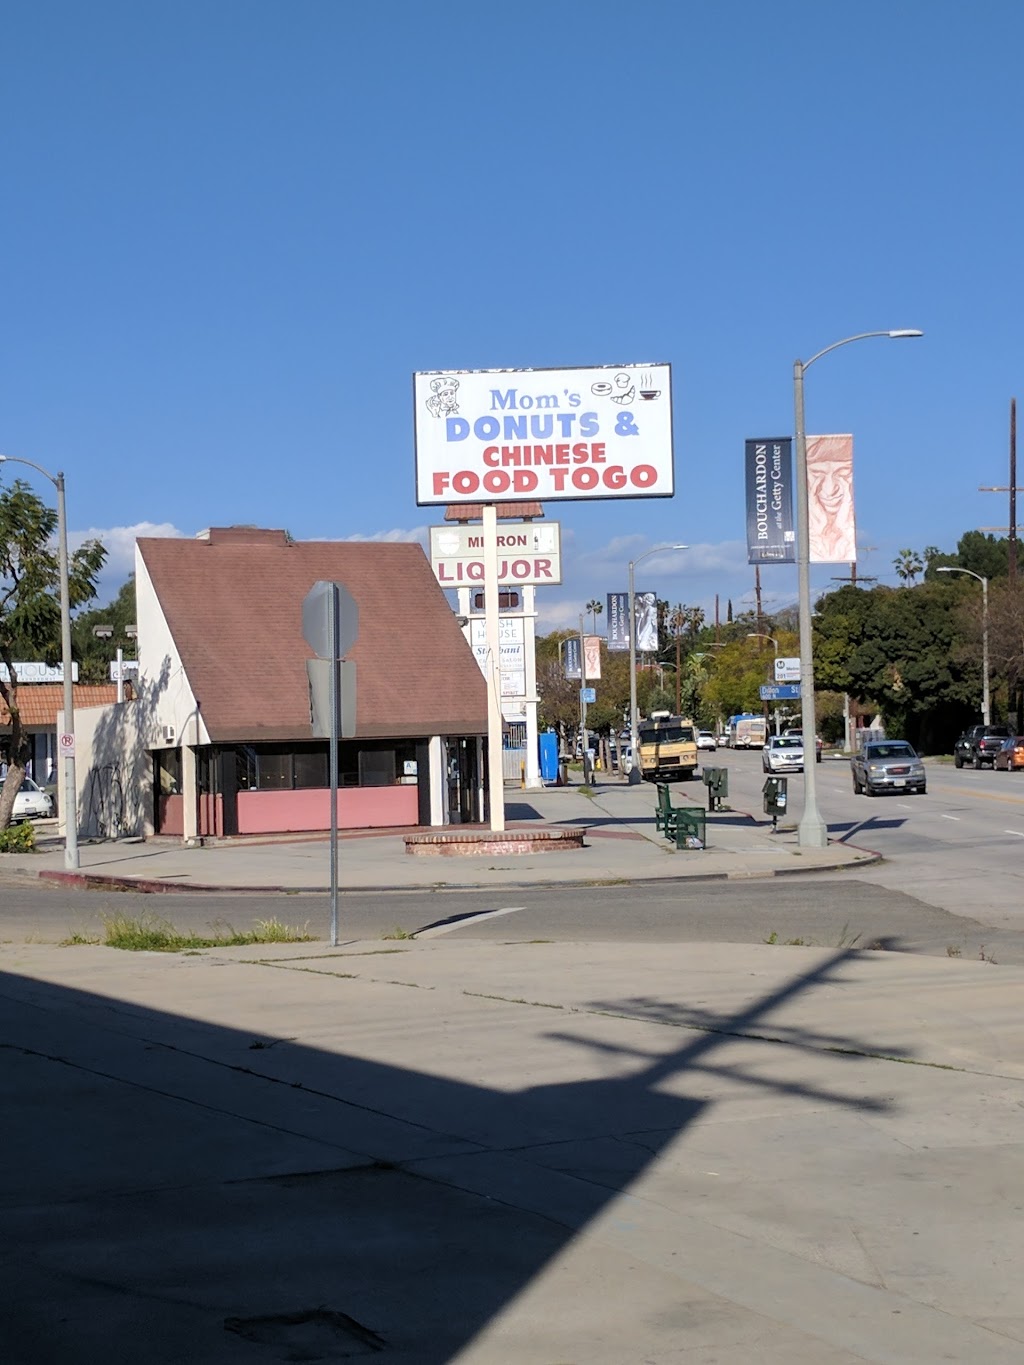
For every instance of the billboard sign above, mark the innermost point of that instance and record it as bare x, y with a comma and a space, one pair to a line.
787, 670
769, 473
618, 620
543, 435
832, 534
528, 552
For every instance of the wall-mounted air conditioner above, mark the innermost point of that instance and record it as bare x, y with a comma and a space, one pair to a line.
168, 734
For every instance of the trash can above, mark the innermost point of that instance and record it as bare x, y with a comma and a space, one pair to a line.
717, 782
775, 791
689, 826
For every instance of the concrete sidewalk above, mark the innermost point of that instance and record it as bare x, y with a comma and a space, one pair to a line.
622, 844
511, 1154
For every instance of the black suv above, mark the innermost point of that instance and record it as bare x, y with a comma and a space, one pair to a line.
980, 744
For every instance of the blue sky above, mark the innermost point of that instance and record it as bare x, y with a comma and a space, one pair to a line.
232, 231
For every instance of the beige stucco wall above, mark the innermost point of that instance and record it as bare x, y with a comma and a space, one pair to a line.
113, 772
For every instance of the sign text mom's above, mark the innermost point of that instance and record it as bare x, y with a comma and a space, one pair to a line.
543, 435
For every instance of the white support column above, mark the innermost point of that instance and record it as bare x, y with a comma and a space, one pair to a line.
190, 831
438, 780
492, 676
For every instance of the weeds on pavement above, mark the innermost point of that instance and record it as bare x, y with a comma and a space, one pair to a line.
150, 934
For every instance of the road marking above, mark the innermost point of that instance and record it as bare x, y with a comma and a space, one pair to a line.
445, 926
1019, 833
948, 817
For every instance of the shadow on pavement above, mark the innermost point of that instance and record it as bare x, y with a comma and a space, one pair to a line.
178, 1190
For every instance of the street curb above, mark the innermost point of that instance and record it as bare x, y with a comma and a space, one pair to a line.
97, 881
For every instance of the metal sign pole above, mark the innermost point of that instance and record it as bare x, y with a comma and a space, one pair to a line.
495, 774
333, 635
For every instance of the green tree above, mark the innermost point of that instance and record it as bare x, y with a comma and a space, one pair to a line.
30, 606
908, 564
94, 655
898, 652
595, 608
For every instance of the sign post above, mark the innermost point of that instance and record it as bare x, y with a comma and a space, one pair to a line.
330, 626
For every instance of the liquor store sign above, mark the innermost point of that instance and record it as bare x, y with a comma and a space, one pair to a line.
528, 553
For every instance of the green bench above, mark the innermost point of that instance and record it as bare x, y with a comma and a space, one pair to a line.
681, 824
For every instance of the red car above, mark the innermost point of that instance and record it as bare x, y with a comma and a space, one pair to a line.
1011, 755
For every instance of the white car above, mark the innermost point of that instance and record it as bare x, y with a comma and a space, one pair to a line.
783, 753
706, 740
31, 803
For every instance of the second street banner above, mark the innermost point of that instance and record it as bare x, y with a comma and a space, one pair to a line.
769, 476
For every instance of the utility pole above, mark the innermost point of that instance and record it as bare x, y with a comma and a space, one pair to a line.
1013, 490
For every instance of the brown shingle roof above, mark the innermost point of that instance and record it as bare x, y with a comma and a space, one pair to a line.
40, 702
233, 602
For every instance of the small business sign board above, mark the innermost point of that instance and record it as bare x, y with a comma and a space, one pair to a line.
36, 672
780, 691
543, 435
528, 553
787, 670
511, 653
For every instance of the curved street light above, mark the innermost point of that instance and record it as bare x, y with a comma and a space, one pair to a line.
69, 801
812, 832
635, 775
986, 702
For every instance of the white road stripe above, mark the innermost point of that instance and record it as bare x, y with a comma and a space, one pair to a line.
1019, 833
949, 817
474, 918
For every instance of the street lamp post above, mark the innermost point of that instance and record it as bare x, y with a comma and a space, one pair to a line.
635, 775
812, 832
986, 701
69, 801
760, 635
107, 633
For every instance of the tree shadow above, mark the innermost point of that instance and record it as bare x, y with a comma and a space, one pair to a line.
116, 791
176, 1188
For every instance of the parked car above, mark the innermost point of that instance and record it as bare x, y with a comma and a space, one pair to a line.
783, 753
799, 734
885, 766
706, 740
31, 803
1011, 755
979, 745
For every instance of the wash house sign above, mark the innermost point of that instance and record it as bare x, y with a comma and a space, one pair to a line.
543, 435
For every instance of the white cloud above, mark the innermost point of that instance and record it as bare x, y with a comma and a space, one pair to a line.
418, 534
120, 543
120, 546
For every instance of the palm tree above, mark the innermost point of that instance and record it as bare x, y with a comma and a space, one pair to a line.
908, 564
595, 608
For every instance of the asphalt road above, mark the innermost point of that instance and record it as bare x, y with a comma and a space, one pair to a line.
950, 882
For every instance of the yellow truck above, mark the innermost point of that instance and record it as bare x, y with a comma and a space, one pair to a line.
668, 748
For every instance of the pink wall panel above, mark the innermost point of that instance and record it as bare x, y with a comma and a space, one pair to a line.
263, 812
